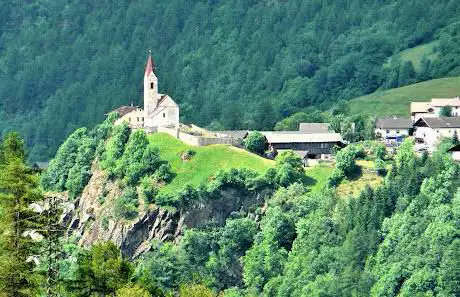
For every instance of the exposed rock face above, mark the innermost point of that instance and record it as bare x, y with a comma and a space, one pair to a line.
91, 219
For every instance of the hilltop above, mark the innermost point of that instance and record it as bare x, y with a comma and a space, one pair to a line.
397, 101
205, 162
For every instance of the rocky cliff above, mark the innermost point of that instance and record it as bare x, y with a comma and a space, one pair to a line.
90, 218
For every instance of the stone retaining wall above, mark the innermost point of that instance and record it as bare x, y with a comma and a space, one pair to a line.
199, 140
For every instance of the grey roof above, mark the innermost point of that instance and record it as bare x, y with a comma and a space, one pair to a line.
123, 110
393, 123
299, 137
233, 133
441, 122
314, 128
301, 154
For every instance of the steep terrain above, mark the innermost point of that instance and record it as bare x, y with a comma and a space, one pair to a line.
397, 101
229, 63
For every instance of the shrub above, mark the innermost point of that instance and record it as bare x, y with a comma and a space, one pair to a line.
380, 167
335, 178
114, 148
345, 162
149, 190
126, 206
164, 174
255, 142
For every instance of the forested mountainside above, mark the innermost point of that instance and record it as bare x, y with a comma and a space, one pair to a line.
229, 63
240, 232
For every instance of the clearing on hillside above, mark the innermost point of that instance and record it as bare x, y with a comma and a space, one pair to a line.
416, 54
397, 101
206, 162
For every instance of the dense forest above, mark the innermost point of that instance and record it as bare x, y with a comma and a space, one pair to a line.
229, 63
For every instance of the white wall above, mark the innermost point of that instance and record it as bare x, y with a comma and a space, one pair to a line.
431, 136
391, 132
455, 111
456, 156
134, 119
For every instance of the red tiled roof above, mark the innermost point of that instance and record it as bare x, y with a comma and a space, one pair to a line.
150, 66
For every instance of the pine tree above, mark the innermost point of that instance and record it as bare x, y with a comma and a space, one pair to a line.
18, 249
455, 140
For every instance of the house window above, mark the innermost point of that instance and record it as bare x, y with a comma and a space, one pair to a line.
397, 131
164, 115
151, 85
388, 131
129, 119
138, 119
142, 118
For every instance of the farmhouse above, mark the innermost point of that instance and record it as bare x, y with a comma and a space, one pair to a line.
315, 146
429, 131
433, 108
160, 110
393, 130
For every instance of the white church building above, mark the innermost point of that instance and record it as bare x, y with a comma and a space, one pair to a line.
159, 110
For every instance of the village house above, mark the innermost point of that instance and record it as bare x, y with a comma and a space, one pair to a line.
455, 152
311, 146
159, 110
393, 130
433, 108
429, 131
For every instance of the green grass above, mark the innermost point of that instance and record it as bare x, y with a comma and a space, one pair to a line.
415, 54
205, 163
397, 101
317, 177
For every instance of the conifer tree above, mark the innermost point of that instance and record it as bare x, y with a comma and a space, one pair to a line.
18, 222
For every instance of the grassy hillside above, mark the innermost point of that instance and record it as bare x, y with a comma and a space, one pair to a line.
415, 54
205, 163
397, 101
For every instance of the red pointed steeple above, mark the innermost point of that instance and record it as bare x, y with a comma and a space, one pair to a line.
150, 67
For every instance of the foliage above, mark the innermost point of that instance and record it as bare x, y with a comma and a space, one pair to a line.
446, 111
195, 291
380, 167
127, 205
101, 270
245, 76
149, 189
292, 122
255, 142
345, 161
132, 291
18, 222
335, 178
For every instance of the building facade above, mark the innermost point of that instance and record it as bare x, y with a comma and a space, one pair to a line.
430, 131
160, 110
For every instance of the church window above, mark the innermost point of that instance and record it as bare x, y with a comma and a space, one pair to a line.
129, 119
151, 85
164, 114
142, 118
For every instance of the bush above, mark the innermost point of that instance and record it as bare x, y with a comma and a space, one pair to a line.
126, 206
345, 162
380, 167
149, 190
255, 142
164, 174
335, 178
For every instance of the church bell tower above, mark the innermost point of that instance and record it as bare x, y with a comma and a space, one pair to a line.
151, 95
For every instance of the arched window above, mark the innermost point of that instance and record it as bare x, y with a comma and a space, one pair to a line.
151, 86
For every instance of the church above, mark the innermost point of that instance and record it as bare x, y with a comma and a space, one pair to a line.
159, 110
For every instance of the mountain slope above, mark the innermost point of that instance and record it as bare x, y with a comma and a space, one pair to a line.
233, 63
397, 101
